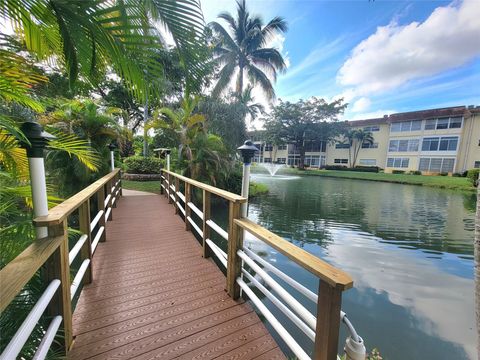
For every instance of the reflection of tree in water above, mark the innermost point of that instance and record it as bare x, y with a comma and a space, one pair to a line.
415, 217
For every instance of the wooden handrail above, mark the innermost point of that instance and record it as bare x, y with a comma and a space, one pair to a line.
57, 214
211, 189
326, 272
18, 272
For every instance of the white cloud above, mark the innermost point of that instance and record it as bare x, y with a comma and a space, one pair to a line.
361, 104
396, 54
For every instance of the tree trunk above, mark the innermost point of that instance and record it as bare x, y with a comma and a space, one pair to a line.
477, 270
145, 132
240, 81
301, 162
357, 151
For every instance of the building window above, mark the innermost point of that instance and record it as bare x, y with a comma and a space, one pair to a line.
292, 160
372, 128
440, 144
340, 161
368, 162
315, 146
268, 147
267, 160
436, 164
407, 145
282, 147
342, 146
406, 126
476, 165
444, 123
312, 160
396, 162
281, 160
369, 145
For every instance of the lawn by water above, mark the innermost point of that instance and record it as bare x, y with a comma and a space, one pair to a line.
444, 182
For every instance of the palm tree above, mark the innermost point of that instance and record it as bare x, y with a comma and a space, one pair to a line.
88, 36
349, 137
250, 107
361, 137
244, 50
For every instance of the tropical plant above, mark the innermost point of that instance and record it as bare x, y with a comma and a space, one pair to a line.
243, 50
249, 105
87, 37
356, 139
304, 121
183, 121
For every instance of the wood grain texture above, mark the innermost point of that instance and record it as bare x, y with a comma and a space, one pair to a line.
326, 272
57, 214
155, 296
19, 271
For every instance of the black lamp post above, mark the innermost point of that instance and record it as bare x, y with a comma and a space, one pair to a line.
112, 148
37, 142
247, 151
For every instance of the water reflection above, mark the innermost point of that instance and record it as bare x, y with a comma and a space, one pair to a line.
408, 248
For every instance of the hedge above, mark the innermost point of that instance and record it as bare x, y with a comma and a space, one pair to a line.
473, 176
374, 169
142, 165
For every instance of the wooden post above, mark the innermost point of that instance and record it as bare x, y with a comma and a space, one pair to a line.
120, 183
101, 206
206, 228
235, 239
177, 189
328, 322
188, 211
86, 251
57, 267
162, 175
169, 189
109, 203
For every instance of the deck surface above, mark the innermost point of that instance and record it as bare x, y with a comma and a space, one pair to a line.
155, 297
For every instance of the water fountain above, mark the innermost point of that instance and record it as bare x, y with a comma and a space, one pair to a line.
272, 168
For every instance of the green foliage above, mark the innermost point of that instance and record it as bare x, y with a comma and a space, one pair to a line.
473, 176
245, 52
257, 189
304, 121
374, 169
398, 171
415, 172
143, 165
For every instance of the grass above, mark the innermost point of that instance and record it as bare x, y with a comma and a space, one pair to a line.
256, 189
443, 182
148, 186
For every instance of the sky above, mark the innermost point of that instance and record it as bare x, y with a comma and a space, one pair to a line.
381, 57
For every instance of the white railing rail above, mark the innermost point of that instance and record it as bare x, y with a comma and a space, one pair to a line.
53, 252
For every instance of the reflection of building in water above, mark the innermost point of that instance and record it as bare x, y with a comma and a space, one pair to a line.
445, 140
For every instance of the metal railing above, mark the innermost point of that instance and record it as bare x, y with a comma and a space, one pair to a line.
53, 256
240, 262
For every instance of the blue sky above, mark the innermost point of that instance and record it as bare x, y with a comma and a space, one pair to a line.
381, 56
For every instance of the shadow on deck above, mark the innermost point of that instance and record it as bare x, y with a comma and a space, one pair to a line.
155, 296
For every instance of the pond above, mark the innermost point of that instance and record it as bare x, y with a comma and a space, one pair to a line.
408, 248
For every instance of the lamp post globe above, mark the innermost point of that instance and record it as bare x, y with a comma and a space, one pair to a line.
247, 151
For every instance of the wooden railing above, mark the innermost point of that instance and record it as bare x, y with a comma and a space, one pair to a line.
53, 257
323, 329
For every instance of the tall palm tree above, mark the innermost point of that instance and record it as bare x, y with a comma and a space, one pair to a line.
243, 50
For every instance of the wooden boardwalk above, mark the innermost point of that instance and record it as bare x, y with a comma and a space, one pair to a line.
155, 297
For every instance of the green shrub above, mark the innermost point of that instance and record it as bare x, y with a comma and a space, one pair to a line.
398, 171
336, 167
415, 172
142, 165
473, 175
457, 174
256, 189
443, 174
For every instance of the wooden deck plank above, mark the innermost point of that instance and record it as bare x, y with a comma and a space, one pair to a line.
154, 297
